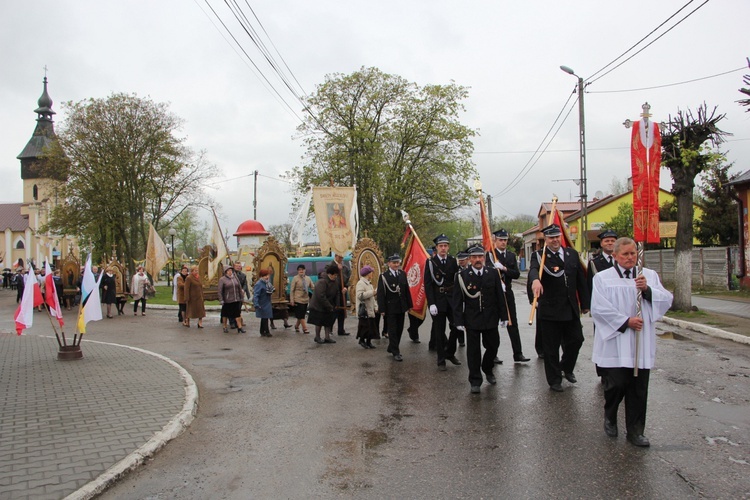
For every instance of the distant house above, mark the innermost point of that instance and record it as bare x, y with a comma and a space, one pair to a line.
741, 186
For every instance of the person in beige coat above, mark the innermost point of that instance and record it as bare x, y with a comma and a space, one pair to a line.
194, 307
367, 329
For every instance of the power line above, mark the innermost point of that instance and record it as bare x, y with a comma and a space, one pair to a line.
668, 84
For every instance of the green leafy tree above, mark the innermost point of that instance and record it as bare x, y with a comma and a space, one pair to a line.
622, 223
668, 211
190, 234
125, 167
719, 223
402, 145
283, 234
685, 154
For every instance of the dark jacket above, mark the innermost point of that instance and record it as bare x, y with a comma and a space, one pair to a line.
510, 262
564, 285
326, 294
480, 303
393, 293
597, 264
438, 282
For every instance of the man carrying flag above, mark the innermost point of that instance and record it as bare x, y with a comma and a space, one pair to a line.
31, 298
91, 308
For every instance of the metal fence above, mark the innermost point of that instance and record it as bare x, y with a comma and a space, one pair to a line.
711, 267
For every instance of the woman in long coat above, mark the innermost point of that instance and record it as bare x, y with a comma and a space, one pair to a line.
262, 301
367, 329
194, 307
325, 298
109, 290
181, 302
137, 290
230, 297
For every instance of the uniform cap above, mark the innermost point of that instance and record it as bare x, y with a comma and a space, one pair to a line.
440, 239
552, 230
607, 233
501, 234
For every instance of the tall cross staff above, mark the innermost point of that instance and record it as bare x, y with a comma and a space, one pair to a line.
645, 160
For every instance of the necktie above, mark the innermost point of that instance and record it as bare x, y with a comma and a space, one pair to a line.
627, 273
610, 260
502, 255
442, 261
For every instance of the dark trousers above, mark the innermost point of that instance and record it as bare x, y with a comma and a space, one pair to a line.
395, 325
569, 335
414, 324
143, 305
445, 346
477, 362
264, 326
620, 383
340, 318
513, 332
182, 309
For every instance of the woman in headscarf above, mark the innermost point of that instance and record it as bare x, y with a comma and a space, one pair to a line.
325, 299
230, 296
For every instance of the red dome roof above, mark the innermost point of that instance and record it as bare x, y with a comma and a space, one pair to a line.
251, 228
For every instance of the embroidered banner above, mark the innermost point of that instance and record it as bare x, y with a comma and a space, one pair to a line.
645, 163
336, 218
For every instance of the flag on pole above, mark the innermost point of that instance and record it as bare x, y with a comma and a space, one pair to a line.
157, 255
91, 307
217, 239
32, 297
415, 259
557, 218
50, 295
486, 231
645, 163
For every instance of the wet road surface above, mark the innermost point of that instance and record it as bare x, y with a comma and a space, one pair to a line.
286, 418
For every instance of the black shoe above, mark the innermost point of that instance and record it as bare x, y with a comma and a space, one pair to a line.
610, 428
416, 341
343, 334
520, 358
318, 340
638, 440
454, 360
398, 357
268, 334
498, 361
226, 330
241, 330
364, 346
570, 377
388, 350
475, 389
442, 367
491, 379
556, 387
540, 355
370, 346
287, 326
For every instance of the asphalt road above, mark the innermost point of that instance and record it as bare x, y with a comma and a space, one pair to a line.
283, 417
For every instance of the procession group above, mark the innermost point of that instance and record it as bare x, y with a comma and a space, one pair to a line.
471, 295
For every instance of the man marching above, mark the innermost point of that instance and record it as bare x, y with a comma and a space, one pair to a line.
394, 300
602, 261
559, 287
505, 261
439, 276
479, 307
615, 353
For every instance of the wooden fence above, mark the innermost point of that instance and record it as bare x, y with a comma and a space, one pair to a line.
711, 267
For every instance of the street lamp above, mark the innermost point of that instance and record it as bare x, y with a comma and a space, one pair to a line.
582, 149
172, 232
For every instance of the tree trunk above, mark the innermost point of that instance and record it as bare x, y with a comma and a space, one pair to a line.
683, 252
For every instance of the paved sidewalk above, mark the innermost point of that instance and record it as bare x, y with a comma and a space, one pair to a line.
69, 428
723, 306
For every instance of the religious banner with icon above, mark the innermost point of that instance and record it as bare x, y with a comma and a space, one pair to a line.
336, 217
645, 159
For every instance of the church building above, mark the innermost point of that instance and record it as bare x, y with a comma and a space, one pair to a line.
22, 242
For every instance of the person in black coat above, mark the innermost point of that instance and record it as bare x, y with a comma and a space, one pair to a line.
505, 261
559, 289
108, 287
602, 261
345, 274
479, 307
394, 300
439, 277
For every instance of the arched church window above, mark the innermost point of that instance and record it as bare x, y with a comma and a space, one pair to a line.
35, 192
20, 245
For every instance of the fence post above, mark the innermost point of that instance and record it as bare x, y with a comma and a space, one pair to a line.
700, 264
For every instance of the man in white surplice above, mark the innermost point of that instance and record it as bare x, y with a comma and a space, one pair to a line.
613, 307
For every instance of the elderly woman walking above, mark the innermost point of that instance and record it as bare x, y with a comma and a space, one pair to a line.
299, 296
325, 298
367, 309
193, 290
230, 296
138, 290
262, 301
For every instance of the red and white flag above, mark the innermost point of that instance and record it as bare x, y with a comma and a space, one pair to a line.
415, 259
50, 295
32, 297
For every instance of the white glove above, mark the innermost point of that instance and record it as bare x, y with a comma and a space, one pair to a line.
499, 265
503, 284
503, 324
461, 328
433, 310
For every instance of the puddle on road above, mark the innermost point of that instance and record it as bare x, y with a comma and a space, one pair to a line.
672, 336
349, 461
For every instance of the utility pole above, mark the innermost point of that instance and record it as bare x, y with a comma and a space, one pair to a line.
489, 210
255, 195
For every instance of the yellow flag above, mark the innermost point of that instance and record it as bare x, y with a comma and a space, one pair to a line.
157, 255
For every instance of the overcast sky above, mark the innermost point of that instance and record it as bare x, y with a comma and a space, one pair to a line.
507, 53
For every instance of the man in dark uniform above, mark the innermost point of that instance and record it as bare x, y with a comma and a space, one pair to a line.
394, 300
439, 276
603, 260
463, 263
559, 287
504, 260
343, 282
479, 307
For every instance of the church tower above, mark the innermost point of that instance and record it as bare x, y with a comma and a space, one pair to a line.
39, 191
